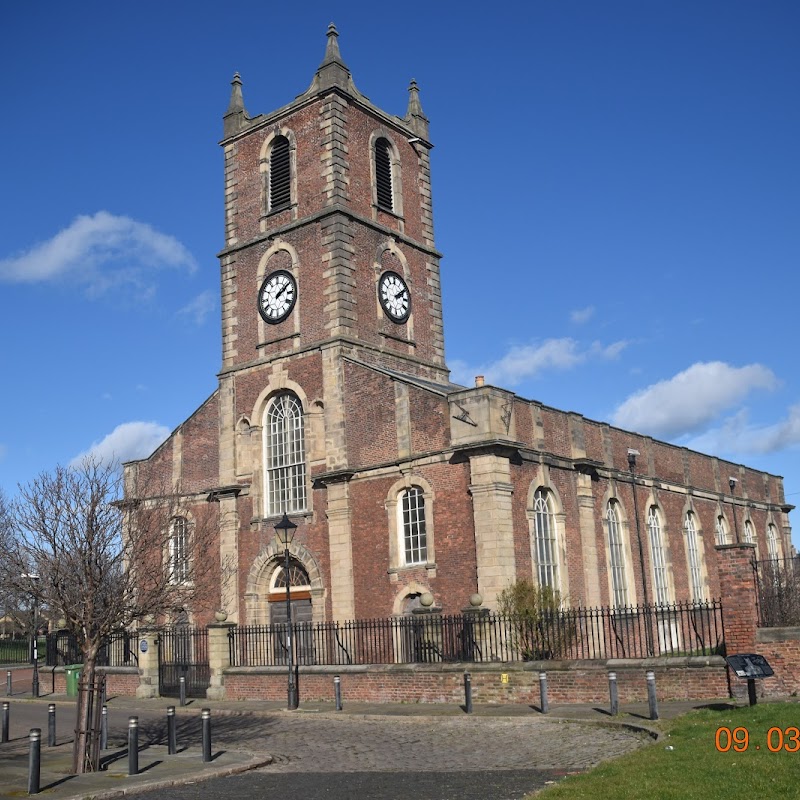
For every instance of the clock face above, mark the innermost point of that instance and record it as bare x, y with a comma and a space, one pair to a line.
394, 297
277, 296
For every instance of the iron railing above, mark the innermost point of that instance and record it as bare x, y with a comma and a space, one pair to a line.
579, 633
778, 591
18, 650
119, 650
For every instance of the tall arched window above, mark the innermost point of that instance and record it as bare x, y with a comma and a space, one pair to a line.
694, 552
545, 540
284, 456
383, 174
658, 556
749, 535
721, 530
772, 543
616, 550
179, 551
411, 524
280, 175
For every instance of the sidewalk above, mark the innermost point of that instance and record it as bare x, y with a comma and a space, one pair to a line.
160, 770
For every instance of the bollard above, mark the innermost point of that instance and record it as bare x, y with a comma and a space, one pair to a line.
467, 693
104, 728
51, 725
206, 734
34, 760
544, 703
651, 695
613, 693
133, 745
172, 741
337, 692
8, 682
6, 716
182, 684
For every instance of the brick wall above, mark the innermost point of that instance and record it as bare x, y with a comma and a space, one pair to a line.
568, 682
122, 681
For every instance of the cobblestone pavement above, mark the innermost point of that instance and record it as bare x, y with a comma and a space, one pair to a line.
351, 744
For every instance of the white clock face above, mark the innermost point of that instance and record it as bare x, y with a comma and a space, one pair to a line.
277, 296
394, 297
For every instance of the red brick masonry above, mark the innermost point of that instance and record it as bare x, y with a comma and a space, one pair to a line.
695, 678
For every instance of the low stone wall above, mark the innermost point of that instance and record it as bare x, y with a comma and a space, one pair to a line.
119, 680
697, 678
781, 648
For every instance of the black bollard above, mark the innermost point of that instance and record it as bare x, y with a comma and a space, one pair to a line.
8, 682
544, 703
613, 693
172, 741
6, 718
51, 725
206, 734
651, 695
133, 745
104, 728
182, 686
34, 760
467, 693
337, 692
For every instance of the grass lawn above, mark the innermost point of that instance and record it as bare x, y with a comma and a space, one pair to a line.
695, 768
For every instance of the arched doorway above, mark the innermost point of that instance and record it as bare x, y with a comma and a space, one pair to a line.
301, 611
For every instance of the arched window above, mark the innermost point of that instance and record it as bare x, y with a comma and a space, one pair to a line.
772, 543
280, 175
545, 540
179, 551
658, 556
721, 530
616, 550
284, 456
749, 535
384, 187
694, 552
411, 524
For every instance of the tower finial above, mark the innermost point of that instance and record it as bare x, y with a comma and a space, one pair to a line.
236, 113
415, 116
332, 49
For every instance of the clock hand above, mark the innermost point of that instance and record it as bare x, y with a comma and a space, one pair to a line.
281, 290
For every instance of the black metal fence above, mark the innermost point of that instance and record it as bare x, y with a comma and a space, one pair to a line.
579, 633
778, 592
63, 648
183, 653
18, 650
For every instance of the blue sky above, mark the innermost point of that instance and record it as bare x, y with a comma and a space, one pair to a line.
616, 190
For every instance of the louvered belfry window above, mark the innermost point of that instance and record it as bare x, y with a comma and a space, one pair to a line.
383, 175
280, 194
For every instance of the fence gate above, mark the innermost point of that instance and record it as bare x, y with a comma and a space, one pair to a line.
183, 651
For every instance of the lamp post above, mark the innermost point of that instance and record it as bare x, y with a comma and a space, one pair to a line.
35, 642
732, 484
285, 530
632, 466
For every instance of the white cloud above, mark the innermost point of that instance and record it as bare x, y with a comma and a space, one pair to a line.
581, 315
737, 435
126, 442
527, 361
691, 399
99, 252
199, 308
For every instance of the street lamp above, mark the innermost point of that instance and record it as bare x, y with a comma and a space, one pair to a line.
35, 643
632, 466
285, 530
732, 484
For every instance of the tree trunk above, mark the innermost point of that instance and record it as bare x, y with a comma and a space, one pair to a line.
86, 747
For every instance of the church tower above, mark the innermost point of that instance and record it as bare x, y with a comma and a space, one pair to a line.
330, 277
329, 229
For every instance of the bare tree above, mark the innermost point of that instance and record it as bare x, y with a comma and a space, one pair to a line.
103, 564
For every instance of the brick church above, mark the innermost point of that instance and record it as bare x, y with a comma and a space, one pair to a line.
334, 406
